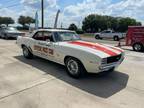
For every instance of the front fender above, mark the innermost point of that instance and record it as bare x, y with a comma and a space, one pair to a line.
90, 61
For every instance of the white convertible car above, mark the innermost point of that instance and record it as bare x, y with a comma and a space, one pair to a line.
65, 47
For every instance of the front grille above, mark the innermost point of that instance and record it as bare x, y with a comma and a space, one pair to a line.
113, 59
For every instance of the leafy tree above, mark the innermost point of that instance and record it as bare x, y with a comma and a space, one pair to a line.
23, 20
138, 23
73, 27
29, 20
1, 21
125, 22
93, 23
6, 20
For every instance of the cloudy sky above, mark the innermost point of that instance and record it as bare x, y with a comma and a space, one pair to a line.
73, 11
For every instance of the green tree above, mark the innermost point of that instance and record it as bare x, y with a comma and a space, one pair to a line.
0, 20
114, 23
6, 20
23, 20
30, 20
125, 22
93, 23
73, 27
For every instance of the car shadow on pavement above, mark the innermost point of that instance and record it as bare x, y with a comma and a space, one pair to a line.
9, 39
103, 87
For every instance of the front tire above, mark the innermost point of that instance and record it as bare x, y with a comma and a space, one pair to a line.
97, 37
116, 38
138, 47
74, 67
26, 53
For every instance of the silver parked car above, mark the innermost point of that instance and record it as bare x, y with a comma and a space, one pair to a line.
10, 32
110, 34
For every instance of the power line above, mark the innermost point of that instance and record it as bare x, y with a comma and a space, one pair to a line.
11, 1
6, 0
11, 6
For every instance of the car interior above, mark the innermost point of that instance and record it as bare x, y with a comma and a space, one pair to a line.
44, 36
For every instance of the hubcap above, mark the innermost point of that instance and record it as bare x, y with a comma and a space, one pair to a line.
25, 52
137, 47
97, 37
115, 38
72, 66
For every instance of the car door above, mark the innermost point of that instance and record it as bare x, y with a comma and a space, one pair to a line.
106, 34
49, 47
43, 45
103, 34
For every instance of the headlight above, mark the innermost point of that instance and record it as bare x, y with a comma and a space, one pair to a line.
104, 61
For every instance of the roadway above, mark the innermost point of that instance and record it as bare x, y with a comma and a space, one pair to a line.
39, 83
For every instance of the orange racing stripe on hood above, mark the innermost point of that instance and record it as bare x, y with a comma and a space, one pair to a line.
95, 46
116, 49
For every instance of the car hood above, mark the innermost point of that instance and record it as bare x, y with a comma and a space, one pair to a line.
100, 50
17, 32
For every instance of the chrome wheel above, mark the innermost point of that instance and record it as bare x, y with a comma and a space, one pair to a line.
97, 37
137, 47
25, 52
72, 67
116, 38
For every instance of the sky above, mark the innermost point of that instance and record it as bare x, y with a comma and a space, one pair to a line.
72, 11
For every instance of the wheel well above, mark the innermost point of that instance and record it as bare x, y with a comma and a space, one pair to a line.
66, 57
23, 45
115, 36
138, 43
97, 35
27, 47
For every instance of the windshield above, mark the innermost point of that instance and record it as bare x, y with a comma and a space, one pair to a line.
67, 36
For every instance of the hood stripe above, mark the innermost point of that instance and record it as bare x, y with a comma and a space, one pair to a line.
116, 49
95, 46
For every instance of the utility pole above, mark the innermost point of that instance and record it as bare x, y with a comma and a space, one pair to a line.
42, 13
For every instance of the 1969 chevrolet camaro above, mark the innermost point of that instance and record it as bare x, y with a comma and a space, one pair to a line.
66, 47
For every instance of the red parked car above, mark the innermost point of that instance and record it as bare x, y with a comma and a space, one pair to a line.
135, 37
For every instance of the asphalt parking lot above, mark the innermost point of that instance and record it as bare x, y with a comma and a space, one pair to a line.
39, 83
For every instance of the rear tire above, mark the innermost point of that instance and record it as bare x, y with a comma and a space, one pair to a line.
26, 53
74, 68
97, 37
138, 47
116, 38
